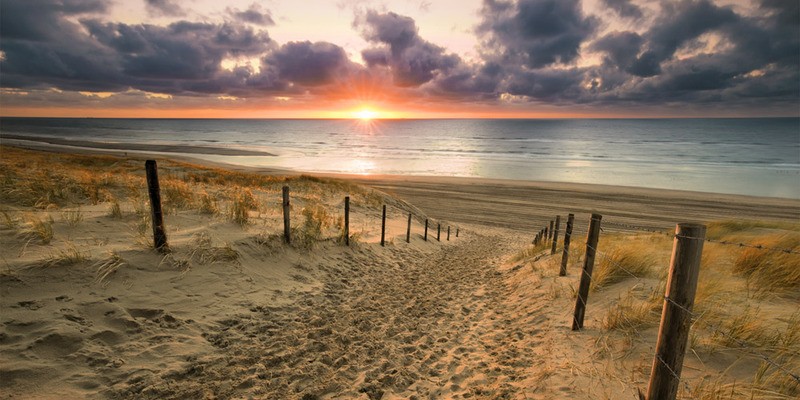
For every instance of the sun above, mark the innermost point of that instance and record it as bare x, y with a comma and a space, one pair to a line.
365, 114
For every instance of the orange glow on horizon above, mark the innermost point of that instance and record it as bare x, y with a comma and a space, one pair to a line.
451, 111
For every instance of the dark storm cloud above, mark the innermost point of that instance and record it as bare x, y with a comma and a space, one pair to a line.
254, 15
621, 48
413, 60
537, 33
695, 53
786, 11
167, 8
310, 64
42, 20
677, 24
624, 8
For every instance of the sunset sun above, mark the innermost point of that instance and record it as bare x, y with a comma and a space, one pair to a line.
365, 114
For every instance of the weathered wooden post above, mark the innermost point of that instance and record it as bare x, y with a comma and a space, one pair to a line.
586, 276
555, 235
545, 234
438, 231
448, 233
408, 230
550, 232
347, 220
426, 230
676, 316
383, 226
159, 233
567, 239
287, 227
456, 231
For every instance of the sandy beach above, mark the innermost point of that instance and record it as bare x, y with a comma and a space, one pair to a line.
92, 311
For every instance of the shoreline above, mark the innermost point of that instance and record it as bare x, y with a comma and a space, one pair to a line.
527, 205
161, 148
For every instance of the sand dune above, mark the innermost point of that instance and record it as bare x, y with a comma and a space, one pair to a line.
233, 312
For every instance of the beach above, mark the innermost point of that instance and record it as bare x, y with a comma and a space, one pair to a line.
474, 311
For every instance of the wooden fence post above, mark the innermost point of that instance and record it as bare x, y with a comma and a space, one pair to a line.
448, 233
159, 233
567, 239
550, 232
426, 230
408, 230
347, 220
555, 235
544, 235
383, 226
287, 228
438, 231
586, 276
676, 317
456, 231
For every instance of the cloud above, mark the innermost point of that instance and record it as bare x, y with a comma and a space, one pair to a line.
678, 23
253, 15
694, 54
625, 8
164, 8
536, 33
412, 60
310, 64
43, 20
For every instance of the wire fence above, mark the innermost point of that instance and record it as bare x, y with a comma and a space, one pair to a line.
714, 329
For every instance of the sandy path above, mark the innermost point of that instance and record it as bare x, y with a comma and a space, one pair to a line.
428, 325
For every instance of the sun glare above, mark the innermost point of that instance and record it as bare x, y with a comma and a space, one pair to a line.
366, 114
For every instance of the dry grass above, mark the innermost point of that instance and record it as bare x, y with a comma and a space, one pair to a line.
315, 221
729, 323
106, 268
203, 252
718, 230
70, 255
114, 210
623, 261
208, 204
72, 217
531, 252
241, 204
630, 314
37, 229
773, 270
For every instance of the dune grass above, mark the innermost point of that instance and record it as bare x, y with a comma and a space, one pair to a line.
625, 260
744, 311
774, 270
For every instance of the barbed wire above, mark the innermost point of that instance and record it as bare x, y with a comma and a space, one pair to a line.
751, 246
715, 329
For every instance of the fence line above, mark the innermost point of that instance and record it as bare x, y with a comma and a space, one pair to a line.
714, 329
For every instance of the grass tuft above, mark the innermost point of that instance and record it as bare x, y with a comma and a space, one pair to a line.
630, 261
239, 211
107, 267
39, 229
65, 257
72, 217
203, 252
316, 220
771, 269
114, 210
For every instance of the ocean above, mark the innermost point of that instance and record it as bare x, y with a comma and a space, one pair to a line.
759, 156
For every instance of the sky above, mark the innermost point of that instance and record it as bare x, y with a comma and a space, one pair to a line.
399, 59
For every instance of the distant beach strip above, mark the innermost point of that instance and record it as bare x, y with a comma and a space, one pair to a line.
162, 148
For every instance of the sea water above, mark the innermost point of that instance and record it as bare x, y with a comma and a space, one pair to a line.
759, 156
